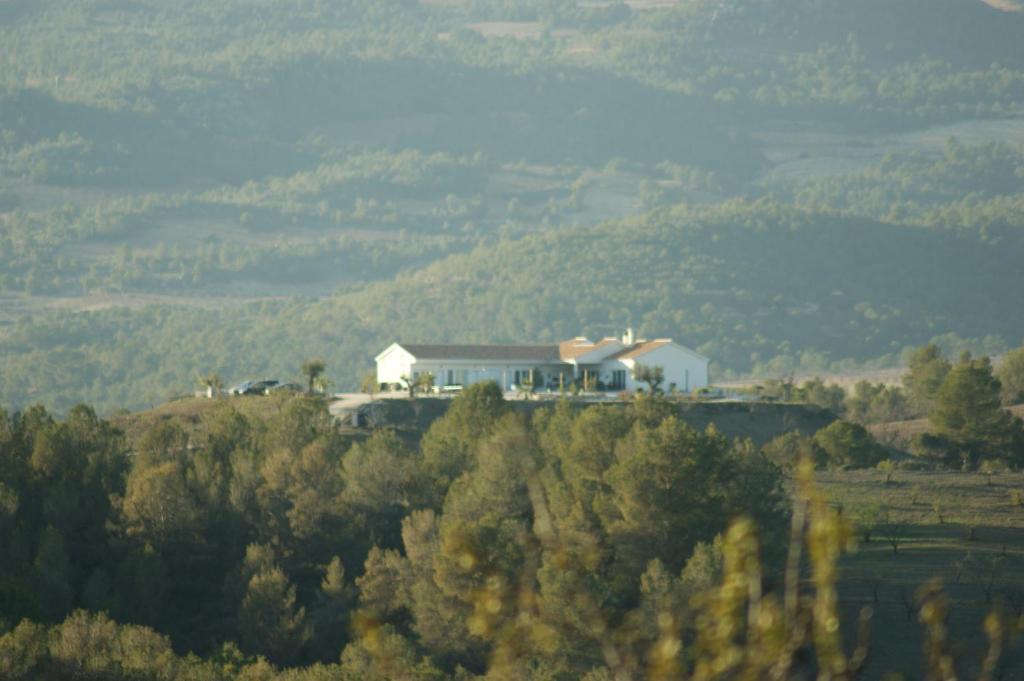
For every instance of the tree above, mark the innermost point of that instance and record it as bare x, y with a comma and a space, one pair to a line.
212, 383
789, 449
332, 613
876, 403
383, 481
653, 376
53, 576
369, 383
448, 445
670, 487
323, 385
1011, 375
829, 397
424, 382
269, 622
410, 385
968, 412
865, 517
159, 505
848, 444
312, 369
927, 369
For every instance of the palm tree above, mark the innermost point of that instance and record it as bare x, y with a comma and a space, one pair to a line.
425, 382
213, 384
323, 385
312, 369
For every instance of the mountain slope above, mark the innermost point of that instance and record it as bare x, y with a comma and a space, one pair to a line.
742, 282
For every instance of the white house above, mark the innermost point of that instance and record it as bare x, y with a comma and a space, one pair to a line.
610, 361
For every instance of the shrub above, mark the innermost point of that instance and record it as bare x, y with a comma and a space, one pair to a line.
848, 444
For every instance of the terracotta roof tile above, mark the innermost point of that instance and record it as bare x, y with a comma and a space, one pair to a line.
641, 348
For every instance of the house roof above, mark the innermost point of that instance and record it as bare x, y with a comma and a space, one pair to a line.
641, 348
515, 353
576, 347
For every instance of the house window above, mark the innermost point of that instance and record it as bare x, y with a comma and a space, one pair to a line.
451, 377
618, 379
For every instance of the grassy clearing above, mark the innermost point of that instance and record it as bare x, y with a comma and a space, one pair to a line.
966, 529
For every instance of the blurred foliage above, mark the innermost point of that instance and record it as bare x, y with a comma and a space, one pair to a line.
659, 554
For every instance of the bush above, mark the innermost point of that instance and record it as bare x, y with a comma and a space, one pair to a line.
848, 444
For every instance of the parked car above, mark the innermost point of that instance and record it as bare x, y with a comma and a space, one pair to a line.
285, 387
254, 387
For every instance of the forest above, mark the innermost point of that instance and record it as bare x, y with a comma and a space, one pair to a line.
261, 540
228, 188
232, 186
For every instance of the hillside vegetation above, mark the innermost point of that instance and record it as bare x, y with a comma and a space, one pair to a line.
732, 281
233, 186
253, 538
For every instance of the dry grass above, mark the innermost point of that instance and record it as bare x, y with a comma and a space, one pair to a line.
190, 412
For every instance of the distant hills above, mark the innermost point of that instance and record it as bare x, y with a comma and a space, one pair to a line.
230, 186
752, 285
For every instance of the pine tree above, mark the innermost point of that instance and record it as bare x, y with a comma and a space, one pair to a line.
968, 411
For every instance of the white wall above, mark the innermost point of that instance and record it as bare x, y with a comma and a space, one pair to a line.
687, 370
467, 373
394, 363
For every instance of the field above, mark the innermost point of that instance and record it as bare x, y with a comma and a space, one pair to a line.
966, 529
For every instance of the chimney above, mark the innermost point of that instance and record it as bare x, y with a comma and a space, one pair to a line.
628, 338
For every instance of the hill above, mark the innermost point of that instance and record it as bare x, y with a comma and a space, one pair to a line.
235, 189
753, 285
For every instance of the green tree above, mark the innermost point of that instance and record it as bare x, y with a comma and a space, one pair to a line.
926, 371
331, 615
968, 412
212, 383
816, 392
160, 506
313, 369
653, 376
449, 444
789, 449
369, 384
670, 486
877, 403
269, 620
848, 444
54, 577
1011, 376
424, 382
